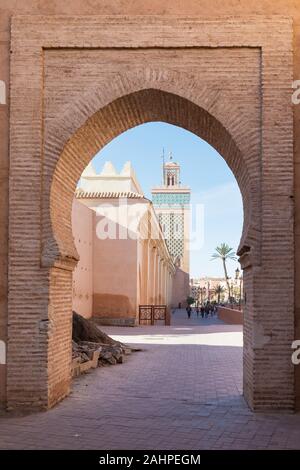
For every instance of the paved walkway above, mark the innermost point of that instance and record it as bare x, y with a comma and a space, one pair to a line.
183, 391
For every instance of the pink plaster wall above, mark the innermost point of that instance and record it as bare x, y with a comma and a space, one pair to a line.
181, 288
82, 226
114, 276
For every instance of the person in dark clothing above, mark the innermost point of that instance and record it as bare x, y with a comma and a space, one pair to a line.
189, 311
202, 311
206, 310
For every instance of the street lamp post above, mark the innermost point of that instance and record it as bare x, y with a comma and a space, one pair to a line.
239, 276
204, 292
241, 290
231, 300
198, 293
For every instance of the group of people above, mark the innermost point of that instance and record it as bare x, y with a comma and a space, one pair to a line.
205, 310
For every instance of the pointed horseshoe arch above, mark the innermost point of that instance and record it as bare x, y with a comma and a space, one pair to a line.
132, 100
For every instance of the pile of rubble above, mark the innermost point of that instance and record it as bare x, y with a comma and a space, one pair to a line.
92, 348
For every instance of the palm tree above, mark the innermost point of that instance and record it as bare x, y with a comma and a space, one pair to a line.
224, 252
218, 291
190, 300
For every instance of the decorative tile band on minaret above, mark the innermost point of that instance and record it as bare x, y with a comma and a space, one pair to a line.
171, 201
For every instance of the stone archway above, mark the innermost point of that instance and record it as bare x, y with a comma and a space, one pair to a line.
74, 126
92, 123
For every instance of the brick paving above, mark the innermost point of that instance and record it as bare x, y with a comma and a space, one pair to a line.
182, 391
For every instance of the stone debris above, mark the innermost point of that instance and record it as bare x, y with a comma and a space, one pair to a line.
93, 348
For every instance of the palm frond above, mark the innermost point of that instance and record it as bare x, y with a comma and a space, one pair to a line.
224, 252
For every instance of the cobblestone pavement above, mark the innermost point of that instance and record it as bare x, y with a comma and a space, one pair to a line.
182, 391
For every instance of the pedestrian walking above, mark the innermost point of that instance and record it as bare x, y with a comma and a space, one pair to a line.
189, 311
206, 310
202, 311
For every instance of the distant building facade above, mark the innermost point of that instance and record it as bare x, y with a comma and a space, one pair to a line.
124, 259
171, 201
204, 289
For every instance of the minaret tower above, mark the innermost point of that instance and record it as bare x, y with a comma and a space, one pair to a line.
171, 201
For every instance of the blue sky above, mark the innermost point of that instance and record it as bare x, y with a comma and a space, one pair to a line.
202, 168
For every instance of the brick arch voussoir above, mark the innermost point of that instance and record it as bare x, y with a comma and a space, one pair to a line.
101, 114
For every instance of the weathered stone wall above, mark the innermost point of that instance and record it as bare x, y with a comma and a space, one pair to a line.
224, 70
